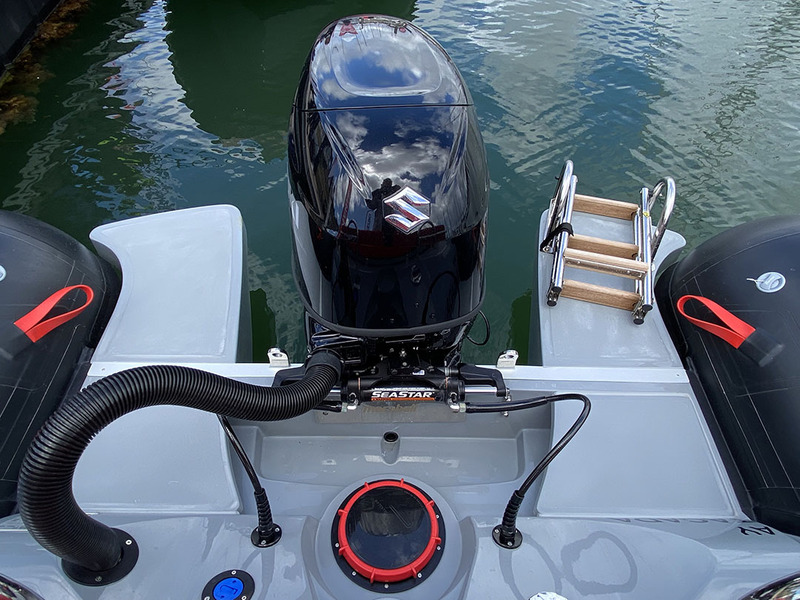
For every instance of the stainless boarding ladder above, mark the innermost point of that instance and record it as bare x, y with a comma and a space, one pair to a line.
623, 259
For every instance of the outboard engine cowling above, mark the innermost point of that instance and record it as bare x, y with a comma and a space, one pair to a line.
389, 189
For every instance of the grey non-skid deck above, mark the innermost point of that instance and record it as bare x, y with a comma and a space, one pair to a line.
638, 505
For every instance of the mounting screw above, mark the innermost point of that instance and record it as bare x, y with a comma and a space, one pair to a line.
98, 579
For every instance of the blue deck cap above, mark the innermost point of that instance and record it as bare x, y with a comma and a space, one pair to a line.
228, 589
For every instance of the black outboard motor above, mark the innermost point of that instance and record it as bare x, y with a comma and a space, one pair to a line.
389, 191
744, 285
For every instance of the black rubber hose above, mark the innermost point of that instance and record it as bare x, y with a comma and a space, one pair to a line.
267, 533
507, 535
46, 503
559, 445
236, 444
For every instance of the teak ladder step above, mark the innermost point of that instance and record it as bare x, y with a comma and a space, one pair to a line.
621, 259
603, 246
600, 294
604, 263
605, 207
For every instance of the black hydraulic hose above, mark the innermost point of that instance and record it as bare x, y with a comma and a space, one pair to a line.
335, 406
236, 444
506, 534
488, 331
46, 503
266, 533
565, 439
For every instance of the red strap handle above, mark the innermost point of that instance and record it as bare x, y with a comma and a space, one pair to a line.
33, 325
734, 330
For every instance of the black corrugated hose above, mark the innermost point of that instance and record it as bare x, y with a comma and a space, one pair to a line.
45, 498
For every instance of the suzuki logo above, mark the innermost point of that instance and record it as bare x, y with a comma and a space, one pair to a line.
411, 210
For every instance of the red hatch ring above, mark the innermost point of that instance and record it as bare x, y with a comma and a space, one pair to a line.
34, 324
388, 575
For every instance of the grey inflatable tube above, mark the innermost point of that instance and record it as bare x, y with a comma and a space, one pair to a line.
46, 503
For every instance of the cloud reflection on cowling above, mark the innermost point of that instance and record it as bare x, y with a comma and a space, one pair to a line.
376, 61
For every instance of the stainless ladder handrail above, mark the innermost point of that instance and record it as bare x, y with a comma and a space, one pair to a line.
669, 205
557, 202
649, 241
560, 245
643, 238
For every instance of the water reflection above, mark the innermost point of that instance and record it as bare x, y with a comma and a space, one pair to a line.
239, 63
128, 142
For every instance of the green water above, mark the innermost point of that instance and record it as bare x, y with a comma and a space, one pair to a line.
155, 105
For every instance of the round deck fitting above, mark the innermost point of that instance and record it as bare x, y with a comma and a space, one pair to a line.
267, 539
230, 585
388, 535
507, 544
128, 558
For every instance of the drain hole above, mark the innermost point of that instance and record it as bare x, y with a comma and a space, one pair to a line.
390, 437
